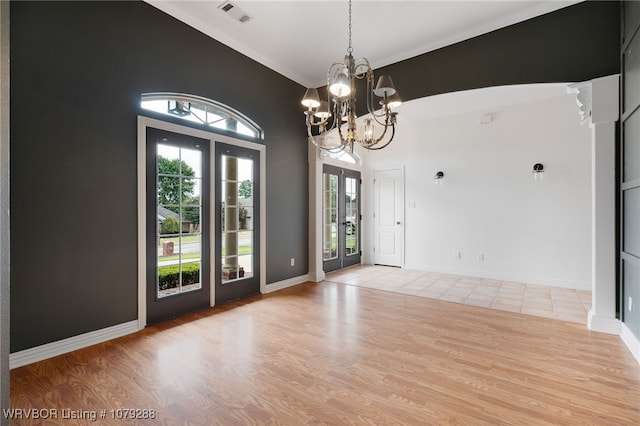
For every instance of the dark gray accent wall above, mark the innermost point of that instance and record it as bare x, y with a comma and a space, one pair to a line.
78, 69
577, 43
629, 179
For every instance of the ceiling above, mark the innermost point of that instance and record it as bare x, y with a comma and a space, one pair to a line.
300, 39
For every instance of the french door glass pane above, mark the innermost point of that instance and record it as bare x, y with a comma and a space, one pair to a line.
246, 262
352, 216
237, 212
330, 216
179, 212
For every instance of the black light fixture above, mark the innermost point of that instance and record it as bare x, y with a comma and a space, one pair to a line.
538, 169
179, 108
438, 177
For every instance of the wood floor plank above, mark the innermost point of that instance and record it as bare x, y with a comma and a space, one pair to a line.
336, 354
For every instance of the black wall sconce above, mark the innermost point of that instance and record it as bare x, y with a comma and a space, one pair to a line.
438, 177
538, 170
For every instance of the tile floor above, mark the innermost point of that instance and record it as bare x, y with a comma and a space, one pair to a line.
540, 300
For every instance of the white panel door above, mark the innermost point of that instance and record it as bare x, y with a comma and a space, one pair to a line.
388, 217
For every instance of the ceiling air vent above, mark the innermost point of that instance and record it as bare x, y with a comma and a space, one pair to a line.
234, 12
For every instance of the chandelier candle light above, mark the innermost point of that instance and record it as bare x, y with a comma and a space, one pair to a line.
340, 107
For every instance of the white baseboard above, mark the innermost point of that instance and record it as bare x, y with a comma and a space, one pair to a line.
631, 341
578, 285
49, 350
317, 277
603, 324
279, 285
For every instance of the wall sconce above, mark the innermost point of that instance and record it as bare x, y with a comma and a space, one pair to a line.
538, 170
437, 178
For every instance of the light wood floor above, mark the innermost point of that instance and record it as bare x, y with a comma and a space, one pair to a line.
330, 353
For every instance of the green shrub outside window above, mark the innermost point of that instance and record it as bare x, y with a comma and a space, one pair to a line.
169, 276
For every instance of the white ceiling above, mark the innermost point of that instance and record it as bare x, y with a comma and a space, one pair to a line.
300, 39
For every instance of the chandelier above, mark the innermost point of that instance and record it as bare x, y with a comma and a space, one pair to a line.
339, 110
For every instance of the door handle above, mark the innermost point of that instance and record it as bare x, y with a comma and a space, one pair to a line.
398, 223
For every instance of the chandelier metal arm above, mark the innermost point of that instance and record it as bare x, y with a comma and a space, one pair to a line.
393, 133
321, 145
376, 141
371, 107
333, 70
310, 120
371, 144
343, 140
361, 68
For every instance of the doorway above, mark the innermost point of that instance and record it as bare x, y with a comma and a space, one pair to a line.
341, 218
177, 258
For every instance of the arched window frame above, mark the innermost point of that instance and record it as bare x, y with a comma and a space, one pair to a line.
344, 156
179, 105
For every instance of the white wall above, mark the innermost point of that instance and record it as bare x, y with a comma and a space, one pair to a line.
528, 231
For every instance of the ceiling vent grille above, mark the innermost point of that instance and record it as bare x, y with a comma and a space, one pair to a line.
234, 12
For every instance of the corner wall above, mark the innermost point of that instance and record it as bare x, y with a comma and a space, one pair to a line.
489, 204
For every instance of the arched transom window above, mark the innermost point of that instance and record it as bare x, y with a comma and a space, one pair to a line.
202, 111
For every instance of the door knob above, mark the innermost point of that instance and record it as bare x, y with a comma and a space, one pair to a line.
398, 223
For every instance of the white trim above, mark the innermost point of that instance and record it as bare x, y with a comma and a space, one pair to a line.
218, 107
287, 283
604, 114
49, 350
315, 208
553, 282
603, 324
143, 123
142, 222
317, 276
631, 341
212, 219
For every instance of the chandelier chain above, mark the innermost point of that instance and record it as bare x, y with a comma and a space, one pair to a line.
350, 49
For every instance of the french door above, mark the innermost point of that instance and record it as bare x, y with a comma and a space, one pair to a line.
340, 218
237, 216
178, 229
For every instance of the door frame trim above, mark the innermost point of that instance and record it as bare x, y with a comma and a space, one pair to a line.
143, 123
343, 173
